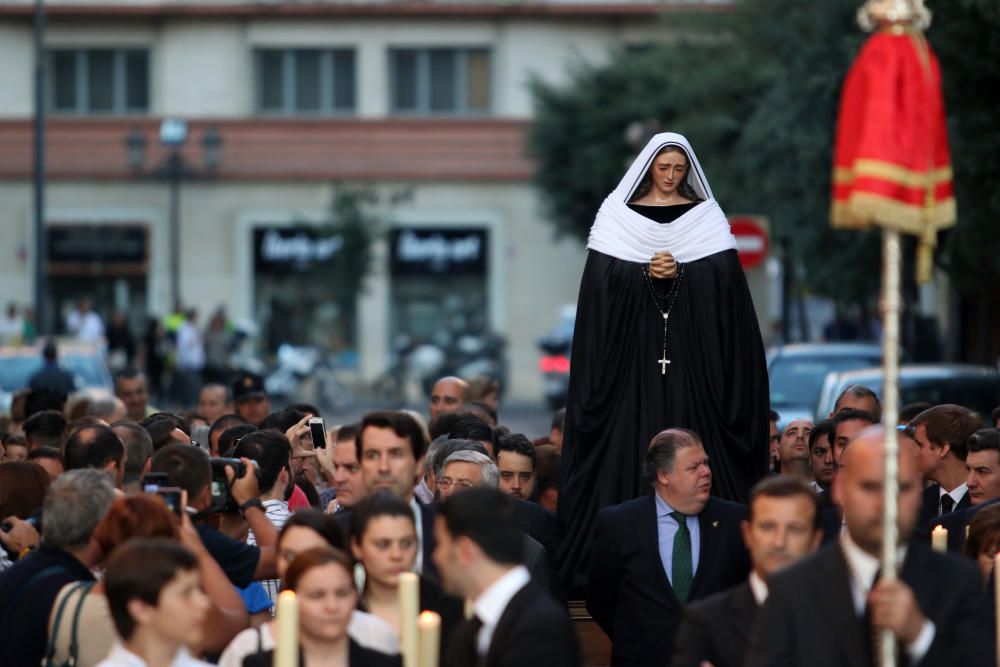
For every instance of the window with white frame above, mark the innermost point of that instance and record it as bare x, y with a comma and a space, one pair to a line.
99, 81
448, 81
306, 81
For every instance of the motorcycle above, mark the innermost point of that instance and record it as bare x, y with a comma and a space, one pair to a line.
304, 374
554, 363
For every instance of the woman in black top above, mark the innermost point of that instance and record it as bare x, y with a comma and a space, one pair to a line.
384, 541
321, 579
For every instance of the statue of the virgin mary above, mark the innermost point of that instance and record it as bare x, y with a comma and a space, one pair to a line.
666, 336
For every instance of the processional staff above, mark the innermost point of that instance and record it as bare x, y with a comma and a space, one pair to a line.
899, 180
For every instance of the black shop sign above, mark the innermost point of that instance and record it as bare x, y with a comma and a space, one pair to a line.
284, 249
439, 251
96, 244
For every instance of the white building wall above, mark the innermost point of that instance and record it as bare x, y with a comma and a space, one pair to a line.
17, 60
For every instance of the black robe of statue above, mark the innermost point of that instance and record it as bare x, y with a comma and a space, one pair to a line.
716, 385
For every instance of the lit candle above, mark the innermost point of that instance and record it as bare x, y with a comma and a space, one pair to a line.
286, 653
429, 630
409, 608
939, 538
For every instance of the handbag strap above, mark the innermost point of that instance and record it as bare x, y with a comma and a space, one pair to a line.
74, 643
50, 649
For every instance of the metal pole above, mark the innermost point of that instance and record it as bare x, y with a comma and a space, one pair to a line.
175, 229
41, 315
891, 269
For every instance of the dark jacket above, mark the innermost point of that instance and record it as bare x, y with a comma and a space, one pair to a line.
628, 592
956, 522
534, 631
357, 656
929, 509
716, 629
55, 379
28, 590
542, 526
809, 618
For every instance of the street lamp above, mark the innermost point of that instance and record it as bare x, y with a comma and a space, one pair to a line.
173, 169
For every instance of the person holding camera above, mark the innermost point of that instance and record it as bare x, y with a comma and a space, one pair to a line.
272, 453
190, 469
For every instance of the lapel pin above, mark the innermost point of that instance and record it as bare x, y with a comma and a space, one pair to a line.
715, 524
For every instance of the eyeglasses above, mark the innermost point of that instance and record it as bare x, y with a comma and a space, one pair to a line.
448, 482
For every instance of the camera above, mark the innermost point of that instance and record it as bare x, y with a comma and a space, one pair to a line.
153, 481
222, 499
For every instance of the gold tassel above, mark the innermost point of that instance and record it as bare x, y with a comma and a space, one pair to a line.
925, 262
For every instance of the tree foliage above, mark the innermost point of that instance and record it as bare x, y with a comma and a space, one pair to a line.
756, 90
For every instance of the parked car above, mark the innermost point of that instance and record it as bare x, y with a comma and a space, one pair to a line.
974, 387
87, 363
554, 362
796, 373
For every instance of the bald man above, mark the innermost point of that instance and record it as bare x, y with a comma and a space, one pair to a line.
447, 395
826, 610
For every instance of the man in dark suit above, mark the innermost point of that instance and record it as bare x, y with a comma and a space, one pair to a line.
653, 555
941, 433
468, 469
983, 465
515, 622
828, 609
391, 449
783, 526
821, 455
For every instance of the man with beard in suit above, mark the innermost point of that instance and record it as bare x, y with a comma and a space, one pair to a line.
783, 526
654, 554
514, 622
828, 609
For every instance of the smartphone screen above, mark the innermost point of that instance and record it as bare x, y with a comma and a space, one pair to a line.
318, 430
172, 497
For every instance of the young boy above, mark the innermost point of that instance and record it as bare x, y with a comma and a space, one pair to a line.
154, 593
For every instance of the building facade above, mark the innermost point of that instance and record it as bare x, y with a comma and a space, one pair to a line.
280, 101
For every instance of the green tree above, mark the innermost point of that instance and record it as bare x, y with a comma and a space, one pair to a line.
756, 90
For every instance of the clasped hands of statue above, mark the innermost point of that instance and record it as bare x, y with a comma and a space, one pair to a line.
663, 265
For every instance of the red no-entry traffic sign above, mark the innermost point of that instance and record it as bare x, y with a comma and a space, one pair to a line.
752, 242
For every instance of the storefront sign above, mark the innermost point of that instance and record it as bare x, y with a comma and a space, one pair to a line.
96, 244
282, 249
432, 251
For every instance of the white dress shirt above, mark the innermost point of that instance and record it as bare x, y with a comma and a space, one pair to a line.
758, 587
956, 494
418, 520
492, 602
122, 657
861, 569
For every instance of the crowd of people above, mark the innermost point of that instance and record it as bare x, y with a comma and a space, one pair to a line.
134, 537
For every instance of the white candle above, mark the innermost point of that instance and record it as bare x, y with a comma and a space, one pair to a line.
939, 539
409, 608
286, 653
429, 630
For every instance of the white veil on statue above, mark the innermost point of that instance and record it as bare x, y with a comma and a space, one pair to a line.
622, 233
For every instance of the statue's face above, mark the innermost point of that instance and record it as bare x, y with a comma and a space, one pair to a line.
668, 172
890, 11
